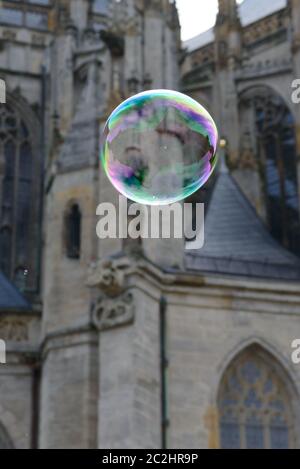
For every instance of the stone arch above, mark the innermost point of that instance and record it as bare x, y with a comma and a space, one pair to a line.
256, 398
271, 88
21, 106
21, 183
264, 344
267, 163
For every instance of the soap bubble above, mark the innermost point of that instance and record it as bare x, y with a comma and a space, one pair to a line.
159, 147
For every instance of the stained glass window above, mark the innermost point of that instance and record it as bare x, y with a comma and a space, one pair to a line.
254, 405
273, 125
17, 201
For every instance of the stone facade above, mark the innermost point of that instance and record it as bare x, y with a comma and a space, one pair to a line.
122, 346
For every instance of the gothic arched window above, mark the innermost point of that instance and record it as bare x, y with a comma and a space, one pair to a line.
274, 128
16, 197
19, 200
73, 232
254, 404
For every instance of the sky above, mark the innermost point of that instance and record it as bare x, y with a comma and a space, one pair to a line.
196, 16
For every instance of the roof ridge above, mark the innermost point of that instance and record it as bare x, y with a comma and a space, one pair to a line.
248, 15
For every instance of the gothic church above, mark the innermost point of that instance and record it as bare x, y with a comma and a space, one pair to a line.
125, 344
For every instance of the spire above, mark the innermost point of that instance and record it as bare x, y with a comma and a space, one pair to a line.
228, 30
228, 12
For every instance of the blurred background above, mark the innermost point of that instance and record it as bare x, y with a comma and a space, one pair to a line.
141, 344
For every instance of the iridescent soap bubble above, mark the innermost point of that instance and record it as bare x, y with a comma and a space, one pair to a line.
159, 147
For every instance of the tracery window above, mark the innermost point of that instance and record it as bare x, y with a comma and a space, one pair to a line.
18, 197
254, 405
274, 128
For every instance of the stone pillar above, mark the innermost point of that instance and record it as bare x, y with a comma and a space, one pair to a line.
231, 124
228, 51
160, 34
2, 173
126, 315
69, 391
79, 11
133, 55
70, 358
295, 18
65, 76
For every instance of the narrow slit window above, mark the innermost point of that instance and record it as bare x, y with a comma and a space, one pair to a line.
73, 232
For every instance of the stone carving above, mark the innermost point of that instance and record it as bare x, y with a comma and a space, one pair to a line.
13, 329
109, 275
108, 313
114, 306
38, 40
203, 56
9, 35
263, 68
270, 25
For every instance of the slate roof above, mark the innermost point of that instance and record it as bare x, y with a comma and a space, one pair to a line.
254, 10
10, 297
200, 41
237, 242
250, 11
